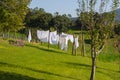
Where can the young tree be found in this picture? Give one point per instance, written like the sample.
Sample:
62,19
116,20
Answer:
101,24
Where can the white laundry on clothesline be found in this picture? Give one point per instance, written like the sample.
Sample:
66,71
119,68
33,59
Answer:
29,36
63,42
76,42
43,35
54,38
70,37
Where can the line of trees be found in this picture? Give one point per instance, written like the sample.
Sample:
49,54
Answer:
38,18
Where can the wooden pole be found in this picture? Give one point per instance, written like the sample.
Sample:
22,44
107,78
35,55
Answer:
49,39
59,41
73,47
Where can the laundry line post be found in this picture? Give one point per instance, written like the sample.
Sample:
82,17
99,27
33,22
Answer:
59,41
74,49
58,32
49,39
73,45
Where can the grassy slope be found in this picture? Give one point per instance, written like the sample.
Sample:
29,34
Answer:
34,62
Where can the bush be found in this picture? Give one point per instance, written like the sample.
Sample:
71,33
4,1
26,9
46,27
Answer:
117,29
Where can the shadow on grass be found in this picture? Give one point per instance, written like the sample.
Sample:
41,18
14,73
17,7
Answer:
114,75
34,70
14,76
77,65
80,65
49,50
109,72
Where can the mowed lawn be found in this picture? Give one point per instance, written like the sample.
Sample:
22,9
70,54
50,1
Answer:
37,62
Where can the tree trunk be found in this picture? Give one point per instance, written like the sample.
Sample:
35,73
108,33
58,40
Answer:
8,34
93,56
73,45
3,35
83,45
59,41
93,68
15,35
82,41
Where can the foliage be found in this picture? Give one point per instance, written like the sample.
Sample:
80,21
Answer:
38,18
61,23
12,14
44,21
117,29
31,17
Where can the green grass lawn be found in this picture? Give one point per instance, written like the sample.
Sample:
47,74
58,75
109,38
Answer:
37,62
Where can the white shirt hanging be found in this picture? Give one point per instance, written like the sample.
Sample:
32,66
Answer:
63,42
76,42
54,38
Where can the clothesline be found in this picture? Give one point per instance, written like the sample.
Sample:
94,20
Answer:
54,38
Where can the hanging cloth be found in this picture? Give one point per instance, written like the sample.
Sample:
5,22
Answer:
70,37
43,35
29,36
54,38
63,42
76,42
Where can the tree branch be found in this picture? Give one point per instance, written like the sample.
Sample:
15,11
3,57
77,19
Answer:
101,48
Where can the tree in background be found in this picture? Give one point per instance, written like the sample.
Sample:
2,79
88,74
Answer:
31,17
101,25
12,14
44,21
61,23
37,18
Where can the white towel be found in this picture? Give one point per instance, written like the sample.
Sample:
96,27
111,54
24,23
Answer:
70,37
43,35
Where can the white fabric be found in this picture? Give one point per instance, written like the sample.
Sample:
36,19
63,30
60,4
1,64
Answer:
63,33
54,38
70,37
63,42
43,35
76,43
29,36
